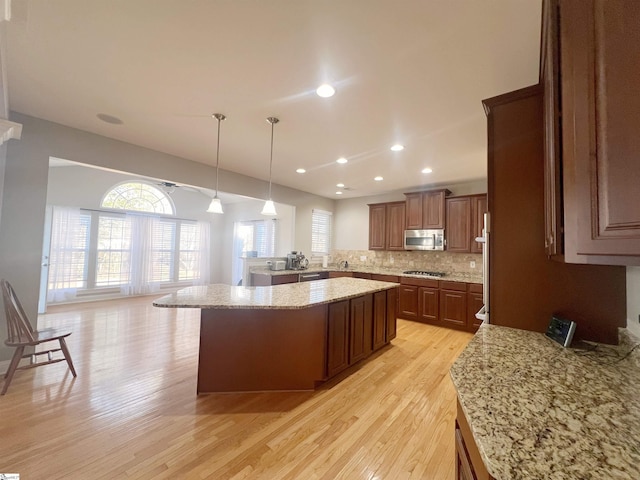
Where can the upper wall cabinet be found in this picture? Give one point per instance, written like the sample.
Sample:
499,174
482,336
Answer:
426,210
465,220
386,226
590,70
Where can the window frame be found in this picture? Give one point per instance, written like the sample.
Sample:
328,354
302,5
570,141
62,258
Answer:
320,218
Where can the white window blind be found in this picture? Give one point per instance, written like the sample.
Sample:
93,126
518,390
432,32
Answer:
320,232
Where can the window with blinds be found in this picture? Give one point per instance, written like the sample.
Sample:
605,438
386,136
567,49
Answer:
255,238
320,232
96,250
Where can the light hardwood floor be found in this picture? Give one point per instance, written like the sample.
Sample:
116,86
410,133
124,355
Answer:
132,412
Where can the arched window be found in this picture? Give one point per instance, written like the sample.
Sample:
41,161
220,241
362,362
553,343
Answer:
138,196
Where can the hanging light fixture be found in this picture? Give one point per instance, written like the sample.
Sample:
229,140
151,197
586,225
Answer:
216,206
269,207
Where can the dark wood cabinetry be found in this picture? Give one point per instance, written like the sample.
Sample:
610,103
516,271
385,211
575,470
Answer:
458,233
469,464
340,274
386,226
526,288
589,70
361,328
266,279
442,303
428,304
408,301
453,304
379,319
475,302
465,220
338,338
425,210
478,209
392,313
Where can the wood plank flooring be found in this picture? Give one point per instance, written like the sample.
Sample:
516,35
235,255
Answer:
132,412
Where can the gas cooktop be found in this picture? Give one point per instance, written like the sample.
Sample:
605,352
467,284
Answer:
424,273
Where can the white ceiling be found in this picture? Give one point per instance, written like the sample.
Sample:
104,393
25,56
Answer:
407,71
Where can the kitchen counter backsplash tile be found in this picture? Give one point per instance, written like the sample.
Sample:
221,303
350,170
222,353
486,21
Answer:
450,263
540,411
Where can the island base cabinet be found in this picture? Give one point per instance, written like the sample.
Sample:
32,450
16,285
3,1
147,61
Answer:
361,328
392,313
244,352
379,319
338,338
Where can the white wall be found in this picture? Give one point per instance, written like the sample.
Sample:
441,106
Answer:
351,223
633,299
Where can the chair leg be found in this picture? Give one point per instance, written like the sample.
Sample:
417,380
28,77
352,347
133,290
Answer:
67,356
8,376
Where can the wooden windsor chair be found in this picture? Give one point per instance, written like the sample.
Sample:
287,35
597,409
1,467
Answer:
22,335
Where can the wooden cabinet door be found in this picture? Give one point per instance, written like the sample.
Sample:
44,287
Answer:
428,304
361,328
395,226
600,67
408,300
463,462
413,211
550,80
392,312
379,319
478,209
453,308
474,304
335,274
282,279
458,232
377,226
338,337
433,209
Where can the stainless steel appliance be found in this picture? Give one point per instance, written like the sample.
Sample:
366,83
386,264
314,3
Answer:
277,265
483,313
297,261
424,239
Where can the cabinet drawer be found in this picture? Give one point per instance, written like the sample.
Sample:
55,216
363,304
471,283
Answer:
458,286
419,282
474,287
280,279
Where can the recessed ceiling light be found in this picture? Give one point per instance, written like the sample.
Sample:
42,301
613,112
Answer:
340,185
325,90
301,170
378,179
397,147
338,193
426,170
342,160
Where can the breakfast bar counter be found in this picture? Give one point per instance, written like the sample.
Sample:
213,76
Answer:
286,337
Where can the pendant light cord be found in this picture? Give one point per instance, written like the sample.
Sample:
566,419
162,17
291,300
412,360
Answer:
272,121
219,117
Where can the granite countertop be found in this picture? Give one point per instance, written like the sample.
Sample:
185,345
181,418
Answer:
540,411
451,277
287,296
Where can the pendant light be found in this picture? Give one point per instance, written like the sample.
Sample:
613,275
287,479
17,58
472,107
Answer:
216,206
269,207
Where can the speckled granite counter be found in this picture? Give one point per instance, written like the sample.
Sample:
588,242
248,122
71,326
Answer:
452,277
538,411
282,297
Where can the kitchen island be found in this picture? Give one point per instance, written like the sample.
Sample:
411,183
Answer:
286,337
531,409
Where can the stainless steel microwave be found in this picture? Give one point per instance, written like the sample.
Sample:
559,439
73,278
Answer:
424,239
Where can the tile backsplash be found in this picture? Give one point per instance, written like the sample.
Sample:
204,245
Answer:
432,261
